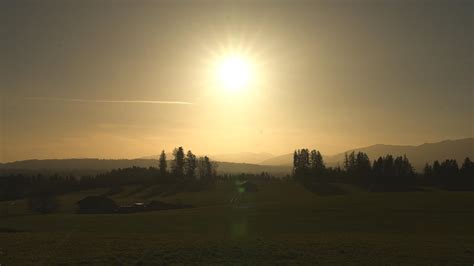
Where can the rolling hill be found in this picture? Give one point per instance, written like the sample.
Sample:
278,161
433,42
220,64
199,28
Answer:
418,155
285,159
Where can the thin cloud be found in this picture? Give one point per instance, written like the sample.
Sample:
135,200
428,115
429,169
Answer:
107,101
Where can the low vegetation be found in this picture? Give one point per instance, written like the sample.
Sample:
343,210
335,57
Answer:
188,214
279,224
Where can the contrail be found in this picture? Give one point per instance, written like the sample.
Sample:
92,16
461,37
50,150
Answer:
107,101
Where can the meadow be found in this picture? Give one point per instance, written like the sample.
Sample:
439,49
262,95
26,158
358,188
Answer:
282,223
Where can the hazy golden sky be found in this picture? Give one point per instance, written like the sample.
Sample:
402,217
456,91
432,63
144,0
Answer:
125,79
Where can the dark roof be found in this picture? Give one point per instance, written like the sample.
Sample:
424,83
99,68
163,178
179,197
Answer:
94,199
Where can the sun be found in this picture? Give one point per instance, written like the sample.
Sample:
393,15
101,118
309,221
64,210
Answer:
234,72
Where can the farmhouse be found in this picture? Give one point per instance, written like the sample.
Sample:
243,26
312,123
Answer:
135,207
97,204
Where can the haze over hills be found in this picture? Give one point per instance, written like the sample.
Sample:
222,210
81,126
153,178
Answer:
94,166
285,159
418,155
278,165
421,154
243,157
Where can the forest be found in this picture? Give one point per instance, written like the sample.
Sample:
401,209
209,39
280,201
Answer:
387,173
186,172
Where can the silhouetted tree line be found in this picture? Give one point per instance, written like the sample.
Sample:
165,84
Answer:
188,167
387,173
15,186
448,175
186,171
263,176
309,167
392,174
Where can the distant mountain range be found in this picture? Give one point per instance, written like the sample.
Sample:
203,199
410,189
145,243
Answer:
418,155
82,167
248,162
243,157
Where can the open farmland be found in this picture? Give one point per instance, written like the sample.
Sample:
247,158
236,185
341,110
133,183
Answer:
281,223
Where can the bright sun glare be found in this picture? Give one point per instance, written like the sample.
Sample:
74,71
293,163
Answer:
234,72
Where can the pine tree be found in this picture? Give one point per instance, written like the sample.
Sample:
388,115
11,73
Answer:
428,173
206,169
178,162
295,163
190,165
163,165
316,164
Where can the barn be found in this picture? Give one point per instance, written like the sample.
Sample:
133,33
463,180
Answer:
97,204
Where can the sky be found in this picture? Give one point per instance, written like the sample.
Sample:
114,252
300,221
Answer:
126,79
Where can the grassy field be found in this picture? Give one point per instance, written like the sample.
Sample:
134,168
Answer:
281,224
